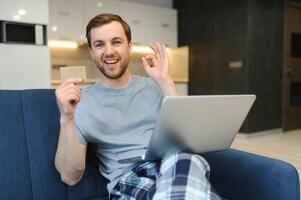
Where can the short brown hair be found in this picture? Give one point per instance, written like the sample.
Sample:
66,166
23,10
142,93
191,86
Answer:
106,18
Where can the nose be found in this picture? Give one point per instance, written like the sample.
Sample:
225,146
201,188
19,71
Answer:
109,50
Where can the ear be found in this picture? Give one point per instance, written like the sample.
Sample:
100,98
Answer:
130,47
91,53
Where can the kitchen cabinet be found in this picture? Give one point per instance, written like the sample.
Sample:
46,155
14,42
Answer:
165,35
141,35
148,23
92,8
165,26
66,20
28,11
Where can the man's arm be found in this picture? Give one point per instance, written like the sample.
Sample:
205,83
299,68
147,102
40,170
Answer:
157,67
70,155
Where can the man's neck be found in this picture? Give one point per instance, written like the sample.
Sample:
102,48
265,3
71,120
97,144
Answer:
121,82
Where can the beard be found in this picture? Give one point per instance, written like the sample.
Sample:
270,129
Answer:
112,74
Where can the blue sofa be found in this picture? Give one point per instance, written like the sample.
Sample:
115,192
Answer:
29,129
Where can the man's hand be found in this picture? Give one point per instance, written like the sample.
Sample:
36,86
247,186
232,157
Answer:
70,156
68,96
157,67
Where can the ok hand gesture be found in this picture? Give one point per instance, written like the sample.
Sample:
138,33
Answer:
157,67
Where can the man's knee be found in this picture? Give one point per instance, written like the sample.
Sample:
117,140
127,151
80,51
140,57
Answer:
181,161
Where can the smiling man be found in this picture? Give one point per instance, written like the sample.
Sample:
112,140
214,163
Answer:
112,60
118,114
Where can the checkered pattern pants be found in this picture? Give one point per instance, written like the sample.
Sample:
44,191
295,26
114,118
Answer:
180,176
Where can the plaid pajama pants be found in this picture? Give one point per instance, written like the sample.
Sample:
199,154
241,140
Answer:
180,176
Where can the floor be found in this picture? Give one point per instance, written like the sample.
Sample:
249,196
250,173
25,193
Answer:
284,146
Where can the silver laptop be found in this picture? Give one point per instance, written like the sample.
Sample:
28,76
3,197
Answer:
197,124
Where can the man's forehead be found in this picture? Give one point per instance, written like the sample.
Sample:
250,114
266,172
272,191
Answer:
108,31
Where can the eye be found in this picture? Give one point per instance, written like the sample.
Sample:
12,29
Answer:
99,45
117,42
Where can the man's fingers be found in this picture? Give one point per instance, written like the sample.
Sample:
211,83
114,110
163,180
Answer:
160,49
75,97
63,93
72,90
75,91
69,97
154,47
149,57
165,53
64,88
70,86
71,80
149,60
145,63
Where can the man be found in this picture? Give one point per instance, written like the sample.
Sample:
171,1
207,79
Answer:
118,115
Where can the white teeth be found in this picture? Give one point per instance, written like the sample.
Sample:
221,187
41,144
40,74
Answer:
111,61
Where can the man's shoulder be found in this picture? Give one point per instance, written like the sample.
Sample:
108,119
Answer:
146,81
87,95
91,91
148,87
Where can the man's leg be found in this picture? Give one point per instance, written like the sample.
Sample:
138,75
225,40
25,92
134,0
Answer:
183,176
136,184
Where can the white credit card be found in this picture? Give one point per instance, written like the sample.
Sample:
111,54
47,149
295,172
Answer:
73,72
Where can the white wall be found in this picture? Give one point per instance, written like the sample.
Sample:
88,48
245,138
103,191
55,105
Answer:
24,66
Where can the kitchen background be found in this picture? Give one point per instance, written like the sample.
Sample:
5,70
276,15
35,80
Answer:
215,47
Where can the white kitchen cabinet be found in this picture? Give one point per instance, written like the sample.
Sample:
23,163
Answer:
139,18
150,23
134,13
165,27
92,8
141,34
165,35
165,17
66,20
65,8
29,11
65,28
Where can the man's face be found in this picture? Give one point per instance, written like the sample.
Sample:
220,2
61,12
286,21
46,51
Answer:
110,49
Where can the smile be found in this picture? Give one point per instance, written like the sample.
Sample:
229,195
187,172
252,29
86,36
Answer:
110,62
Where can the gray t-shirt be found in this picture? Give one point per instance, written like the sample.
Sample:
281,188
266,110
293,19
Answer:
119,121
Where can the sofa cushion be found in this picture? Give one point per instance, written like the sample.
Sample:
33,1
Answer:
41,130
241,175
14,168
41,121
29,128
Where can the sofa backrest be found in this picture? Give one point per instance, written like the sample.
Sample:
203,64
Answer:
29,130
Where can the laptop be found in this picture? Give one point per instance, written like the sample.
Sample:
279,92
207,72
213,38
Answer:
196,124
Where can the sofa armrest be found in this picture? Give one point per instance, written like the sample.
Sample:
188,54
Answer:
240,175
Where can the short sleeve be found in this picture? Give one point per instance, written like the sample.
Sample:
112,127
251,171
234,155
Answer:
79,129
80,135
